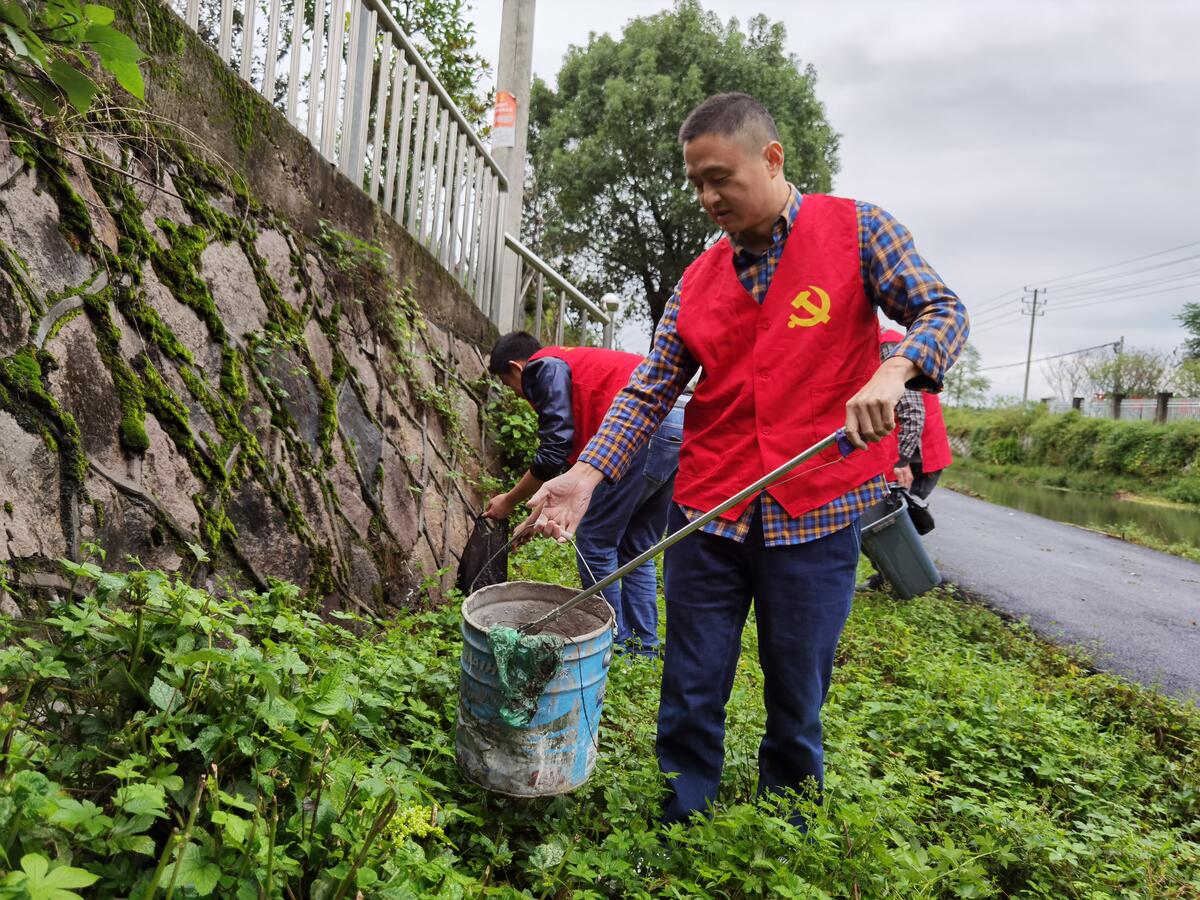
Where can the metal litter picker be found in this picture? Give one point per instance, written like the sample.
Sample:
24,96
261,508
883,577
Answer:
560,675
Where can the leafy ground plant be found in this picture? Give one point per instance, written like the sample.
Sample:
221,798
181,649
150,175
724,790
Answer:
167,742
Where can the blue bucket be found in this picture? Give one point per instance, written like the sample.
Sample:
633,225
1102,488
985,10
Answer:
556,751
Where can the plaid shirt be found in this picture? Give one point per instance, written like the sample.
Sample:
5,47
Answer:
896,279
910,419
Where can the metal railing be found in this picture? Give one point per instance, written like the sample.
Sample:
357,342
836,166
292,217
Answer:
346,76
533,274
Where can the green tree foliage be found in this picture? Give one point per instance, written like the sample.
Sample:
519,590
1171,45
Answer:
45,50
965,384
608,198
1186,378
1134,373
446,38
1189,318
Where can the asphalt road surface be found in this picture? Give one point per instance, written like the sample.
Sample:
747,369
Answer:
1135,612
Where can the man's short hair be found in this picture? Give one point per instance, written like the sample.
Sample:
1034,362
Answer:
730,115
516,345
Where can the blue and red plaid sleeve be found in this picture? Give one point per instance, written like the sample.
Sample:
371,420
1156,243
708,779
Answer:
908,290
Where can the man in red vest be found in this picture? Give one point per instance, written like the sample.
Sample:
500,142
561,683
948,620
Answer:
571,388
780,314
924,448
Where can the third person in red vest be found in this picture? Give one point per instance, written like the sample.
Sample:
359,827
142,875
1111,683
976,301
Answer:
924,454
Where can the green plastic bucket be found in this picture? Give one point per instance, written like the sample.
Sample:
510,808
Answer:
891,542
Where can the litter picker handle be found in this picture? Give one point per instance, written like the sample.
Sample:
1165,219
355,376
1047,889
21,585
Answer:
838,437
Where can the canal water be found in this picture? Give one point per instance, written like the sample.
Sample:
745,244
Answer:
1169,523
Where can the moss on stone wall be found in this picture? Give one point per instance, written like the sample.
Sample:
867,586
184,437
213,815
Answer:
24,394
245,459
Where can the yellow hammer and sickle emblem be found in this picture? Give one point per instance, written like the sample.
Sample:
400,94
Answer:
818,312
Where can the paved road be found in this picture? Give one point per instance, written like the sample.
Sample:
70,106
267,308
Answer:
1135,611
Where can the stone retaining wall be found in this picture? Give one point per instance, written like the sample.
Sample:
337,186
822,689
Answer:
189,369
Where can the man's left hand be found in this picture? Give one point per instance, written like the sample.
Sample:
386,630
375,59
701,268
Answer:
871,413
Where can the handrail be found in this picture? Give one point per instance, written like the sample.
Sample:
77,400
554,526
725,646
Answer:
427,73
546,269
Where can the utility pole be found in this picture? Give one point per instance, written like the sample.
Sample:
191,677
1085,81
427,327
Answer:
514,74
1119,346
1033,317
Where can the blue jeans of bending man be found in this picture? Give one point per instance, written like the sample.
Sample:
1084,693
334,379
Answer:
801,595
624,519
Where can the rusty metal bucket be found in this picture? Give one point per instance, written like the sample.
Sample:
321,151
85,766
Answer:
556,751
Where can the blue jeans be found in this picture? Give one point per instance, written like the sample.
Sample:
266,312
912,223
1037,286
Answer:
625,519
801,596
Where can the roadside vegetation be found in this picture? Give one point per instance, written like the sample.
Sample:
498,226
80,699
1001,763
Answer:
157,740
1084,454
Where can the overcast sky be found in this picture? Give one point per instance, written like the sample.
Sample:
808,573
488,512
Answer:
1019,141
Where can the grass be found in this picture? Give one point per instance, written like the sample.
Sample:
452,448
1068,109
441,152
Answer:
965,758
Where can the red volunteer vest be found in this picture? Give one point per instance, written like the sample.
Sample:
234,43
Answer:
596,377
935,445
777,375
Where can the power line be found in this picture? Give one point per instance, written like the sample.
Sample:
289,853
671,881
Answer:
1122,263
1070,286
990,304
1132,286
1137,296
1127,293
1044,358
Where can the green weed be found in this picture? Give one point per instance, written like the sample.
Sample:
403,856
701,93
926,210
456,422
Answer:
167,741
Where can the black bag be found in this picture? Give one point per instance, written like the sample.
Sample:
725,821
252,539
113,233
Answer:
485,558
918,511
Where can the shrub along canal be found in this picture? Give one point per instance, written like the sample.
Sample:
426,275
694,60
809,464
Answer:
1171,524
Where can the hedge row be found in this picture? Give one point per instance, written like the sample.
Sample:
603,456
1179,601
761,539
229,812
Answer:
1166,457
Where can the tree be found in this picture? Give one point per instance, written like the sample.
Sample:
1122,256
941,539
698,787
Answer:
1068,375
1133,373
965,384
446,38
1189,318
608,198
44,51
1186,378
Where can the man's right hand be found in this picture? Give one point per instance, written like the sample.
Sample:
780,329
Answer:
560,503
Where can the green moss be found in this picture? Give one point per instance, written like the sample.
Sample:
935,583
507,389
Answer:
172,414
233,381
24,395
8,507
132,428
18,276
159,34
134,243
100,513
61,322
177,269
